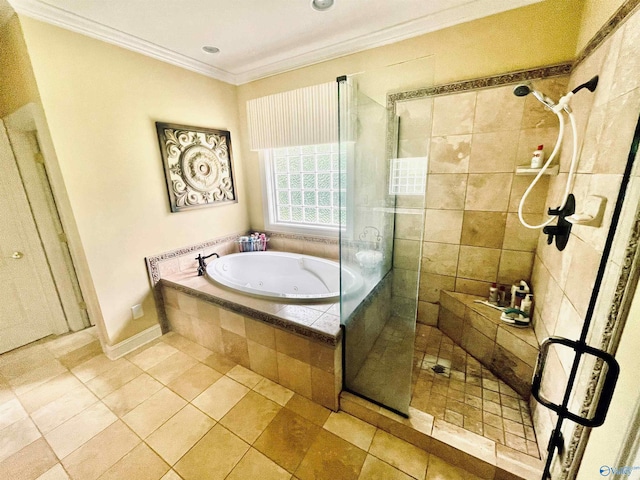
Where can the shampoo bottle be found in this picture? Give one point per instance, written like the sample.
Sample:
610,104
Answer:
538,157
493,294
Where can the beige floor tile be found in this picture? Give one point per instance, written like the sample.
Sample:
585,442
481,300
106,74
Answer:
19,362
376,469
36,377
65,438
287,439
194,350
172,367
141,463
250,416
244,376
308,409
132,394
219,362
439,469
256,465
121,372
351,429
213,457
400,454
220,397
49,391
331,457
92,368
17,436
153,355
11,412
194,381
101,452
181,432
153,412
171,475
62,409
55,473
81,355
273,391
68,343
30,462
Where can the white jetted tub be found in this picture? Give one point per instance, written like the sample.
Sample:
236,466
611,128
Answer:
283,275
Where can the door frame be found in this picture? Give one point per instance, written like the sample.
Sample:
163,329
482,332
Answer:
31,118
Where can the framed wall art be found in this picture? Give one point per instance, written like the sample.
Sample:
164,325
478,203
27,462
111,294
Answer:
198,166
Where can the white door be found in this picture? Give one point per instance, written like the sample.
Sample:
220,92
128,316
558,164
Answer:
29,304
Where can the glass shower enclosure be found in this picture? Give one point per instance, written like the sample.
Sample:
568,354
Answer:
382,197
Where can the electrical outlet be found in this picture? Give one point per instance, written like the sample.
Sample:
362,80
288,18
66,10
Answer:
137,311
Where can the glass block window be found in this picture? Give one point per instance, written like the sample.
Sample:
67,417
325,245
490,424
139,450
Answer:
408,176
304,187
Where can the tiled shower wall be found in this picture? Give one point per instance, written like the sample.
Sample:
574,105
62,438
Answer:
563,281
474,141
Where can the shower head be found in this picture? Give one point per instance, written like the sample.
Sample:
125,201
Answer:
522,90
525,89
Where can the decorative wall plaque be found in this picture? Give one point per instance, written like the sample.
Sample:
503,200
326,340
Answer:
198,166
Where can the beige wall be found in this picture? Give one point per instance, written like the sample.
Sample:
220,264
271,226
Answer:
101,103
540,34
595,14
17,83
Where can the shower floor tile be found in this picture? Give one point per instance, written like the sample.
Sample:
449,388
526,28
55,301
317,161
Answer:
453,386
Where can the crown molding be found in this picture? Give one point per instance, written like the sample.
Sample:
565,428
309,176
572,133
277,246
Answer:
273,65
70,21
293,59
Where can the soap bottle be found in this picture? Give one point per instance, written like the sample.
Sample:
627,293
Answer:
526,305
493,294
538,157
519,297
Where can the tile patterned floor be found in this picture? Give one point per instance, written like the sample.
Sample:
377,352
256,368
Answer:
175,410
466,394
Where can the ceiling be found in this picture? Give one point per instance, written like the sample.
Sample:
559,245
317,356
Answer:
256,38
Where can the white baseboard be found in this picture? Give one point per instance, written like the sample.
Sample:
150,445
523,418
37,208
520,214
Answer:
130,344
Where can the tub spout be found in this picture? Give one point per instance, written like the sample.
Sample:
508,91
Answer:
202,266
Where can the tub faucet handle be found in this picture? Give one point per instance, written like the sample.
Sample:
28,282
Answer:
202,266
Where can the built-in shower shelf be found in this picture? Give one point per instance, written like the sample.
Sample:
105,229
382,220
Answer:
534,171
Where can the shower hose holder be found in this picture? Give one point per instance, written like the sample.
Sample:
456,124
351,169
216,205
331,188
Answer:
562,229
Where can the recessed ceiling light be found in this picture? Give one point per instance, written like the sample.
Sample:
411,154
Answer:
210,49
321,5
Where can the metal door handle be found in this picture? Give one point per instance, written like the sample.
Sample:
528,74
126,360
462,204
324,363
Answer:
17,255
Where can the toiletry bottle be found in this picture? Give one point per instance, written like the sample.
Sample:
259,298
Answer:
514,289
519,297
502,296
538,157
526,304
493,294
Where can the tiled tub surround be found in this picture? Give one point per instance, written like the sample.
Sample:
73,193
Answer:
509,352
184,259
299,347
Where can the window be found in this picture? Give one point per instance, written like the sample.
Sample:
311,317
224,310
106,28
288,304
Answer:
303,188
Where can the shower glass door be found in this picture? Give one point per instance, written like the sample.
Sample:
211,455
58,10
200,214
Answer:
382,198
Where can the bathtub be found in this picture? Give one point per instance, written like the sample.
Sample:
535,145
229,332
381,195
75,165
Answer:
283,275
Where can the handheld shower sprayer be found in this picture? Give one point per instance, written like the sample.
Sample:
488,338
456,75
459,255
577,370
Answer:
525,89
558,108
